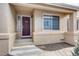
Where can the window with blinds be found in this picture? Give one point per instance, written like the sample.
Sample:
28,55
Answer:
51,22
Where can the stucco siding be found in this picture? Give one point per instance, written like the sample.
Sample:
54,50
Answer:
71,38
42,36
4,46
37,21
11,25
7,27
48,38
4,36
3,19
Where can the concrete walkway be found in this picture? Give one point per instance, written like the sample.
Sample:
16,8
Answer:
58,49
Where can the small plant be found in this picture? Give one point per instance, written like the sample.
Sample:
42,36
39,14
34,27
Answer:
76,49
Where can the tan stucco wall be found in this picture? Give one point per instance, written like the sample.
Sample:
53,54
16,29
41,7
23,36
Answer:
38,19
11,25
41,36
71,37
4,46
22,13
48,38
3,21
63,33
7,28
56,35
77,13
3,30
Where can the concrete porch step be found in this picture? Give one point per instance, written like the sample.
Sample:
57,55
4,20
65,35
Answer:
57,49
23,40
23,47
25,51
23,44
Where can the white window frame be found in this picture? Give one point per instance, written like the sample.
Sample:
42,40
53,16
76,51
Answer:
51,22
78,24
22,25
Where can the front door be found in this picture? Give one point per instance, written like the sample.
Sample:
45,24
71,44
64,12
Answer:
26,26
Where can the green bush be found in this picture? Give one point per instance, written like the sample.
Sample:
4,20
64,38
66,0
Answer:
76,50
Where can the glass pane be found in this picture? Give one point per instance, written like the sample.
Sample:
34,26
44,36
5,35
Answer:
47,23
77,24
55,23
19,24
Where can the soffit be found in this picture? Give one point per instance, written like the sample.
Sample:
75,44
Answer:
23,9
30,7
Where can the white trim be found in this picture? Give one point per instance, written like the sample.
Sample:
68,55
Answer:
22,25
49,14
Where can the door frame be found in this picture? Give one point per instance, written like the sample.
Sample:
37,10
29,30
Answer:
22,25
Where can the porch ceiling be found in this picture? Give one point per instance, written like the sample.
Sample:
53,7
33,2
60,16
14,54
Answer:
29,7
23,9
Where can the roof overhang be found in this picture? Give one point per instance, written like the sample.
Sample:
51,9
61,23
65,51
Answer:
63,5
45,6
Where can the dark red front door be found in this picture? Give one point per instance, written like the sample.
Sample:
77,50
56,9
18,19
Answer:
26,26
